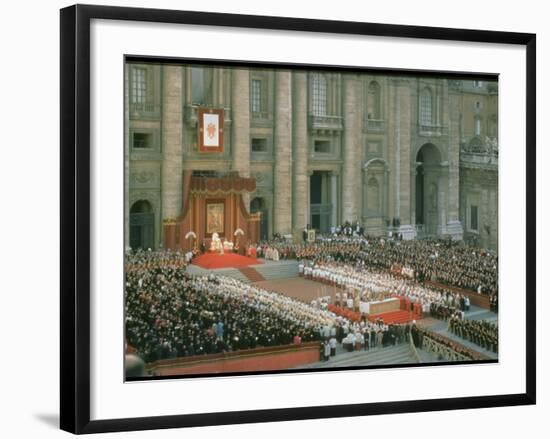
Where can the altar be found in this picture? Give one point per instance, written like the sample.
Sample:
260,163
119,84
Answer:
214,215
380,306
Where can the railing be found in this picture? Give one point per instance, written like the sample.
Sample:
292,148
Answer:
375,125
478,149
262,115
144,109
191,118
257,359
449,349
440,350
331,123
432,130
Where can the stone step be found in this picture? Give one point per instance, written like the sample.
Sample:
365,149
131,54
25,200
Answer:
399,354
281,270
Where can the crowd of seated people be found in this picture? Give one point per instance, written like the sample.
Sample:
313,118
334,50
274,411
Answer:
171,314
443,261
140,259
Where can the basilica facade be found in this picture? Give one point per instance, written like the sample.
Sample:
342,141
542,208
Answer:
414,155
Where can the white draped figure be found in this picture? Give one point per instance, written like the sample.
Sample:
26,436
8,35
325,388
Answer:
216,244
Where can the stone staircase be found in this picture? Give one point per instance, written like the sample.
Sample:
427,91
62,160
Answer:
399,354
278,270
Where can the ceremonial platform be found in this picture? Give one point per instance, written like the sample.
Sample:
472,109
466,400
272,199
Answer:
212,261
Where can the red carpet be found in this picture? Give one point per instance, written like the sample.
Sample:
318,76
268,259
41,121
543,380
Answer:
394,317
227,260
251,274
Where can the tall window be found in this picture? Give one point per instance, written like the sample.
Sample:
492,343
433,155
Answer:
139,85
256,95
473,217
426,107
319,89
373,101
201,85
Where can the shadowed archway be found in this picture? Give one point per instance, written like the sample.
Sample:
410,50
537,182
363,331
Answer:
428,189
142,225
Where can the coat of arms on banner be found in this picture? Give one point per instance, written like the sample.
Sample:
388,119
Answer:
210,129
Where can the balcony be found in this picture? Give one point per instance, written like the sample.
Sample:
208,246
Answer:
144,111
259,114
325,124
261,119
479,152
432,130
190,115
375,125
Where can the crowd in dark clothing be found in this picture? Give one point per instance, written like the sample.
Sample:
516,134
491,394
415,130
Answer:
452,304
446,349
170,314
444,261
146,259
480,332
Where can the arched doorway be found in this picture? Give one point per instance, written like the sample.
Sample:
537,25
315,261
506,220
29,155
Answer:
427,189
258,204
142,225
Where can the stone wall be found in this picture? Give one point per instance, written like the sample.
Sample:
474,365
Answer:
361,149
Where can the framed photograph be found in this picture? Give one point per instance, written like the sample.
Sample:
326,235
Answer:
312,207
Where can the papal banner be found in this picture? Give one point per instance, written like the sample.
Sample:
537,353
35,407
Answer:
210,129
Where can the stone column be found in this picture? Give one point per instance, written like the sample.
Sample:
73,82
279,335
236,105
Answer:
127,157
391,153
172,150
442,197
240,128
385,192
399,155
351,181
334,198
300,147
454,227
282,206
404,147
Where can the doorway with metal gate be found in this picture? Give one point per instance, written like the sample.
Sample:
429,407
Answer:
321,203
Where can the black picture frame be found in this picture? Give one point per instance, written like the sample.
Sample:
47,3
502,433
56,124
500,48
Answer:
75,217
